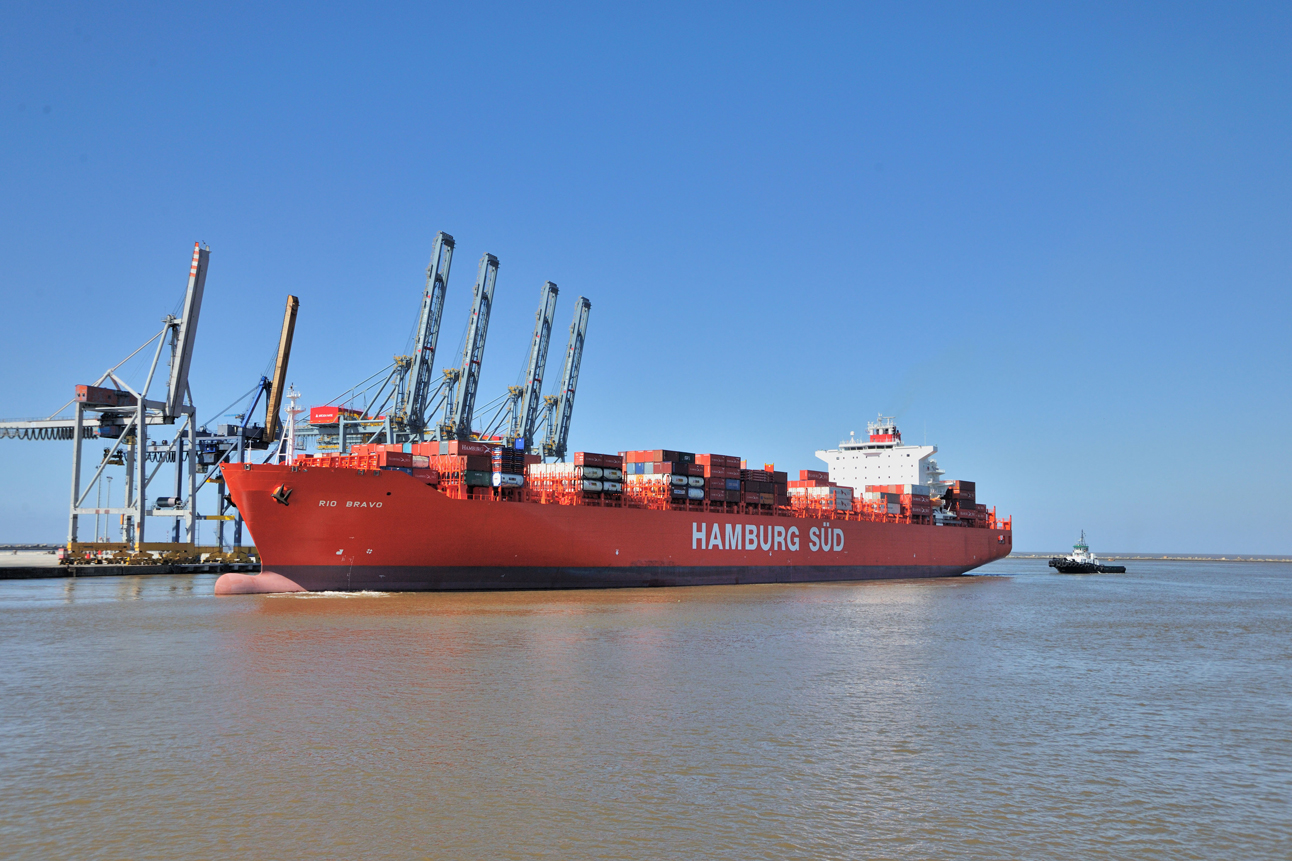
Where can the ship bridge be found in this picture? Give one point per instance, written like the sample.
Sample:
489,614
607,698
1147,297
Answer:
881,458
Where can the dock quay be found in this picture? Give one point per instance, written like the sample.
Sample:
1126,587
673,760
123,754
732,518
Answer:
37,561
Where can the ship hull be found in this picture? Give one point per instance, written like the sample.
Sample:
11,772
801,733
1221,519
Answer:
354,530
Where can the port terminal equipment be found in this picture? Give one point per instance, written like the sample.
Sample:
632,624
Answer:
110,409
457,417
404,399
525,411
418,367
561,406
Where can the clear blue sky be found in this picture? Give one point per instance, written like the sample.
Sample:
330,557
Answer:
1052,239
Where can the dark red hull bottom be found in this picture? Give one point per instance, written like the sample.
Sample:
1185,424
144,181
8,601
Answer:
324,578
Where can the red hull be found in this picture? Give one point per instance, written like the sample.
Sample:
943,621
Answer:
344,529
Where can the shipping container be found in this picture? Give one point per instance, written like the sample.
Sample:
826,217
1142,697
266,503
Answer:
477,478
395,458
468,447
813,475
503,479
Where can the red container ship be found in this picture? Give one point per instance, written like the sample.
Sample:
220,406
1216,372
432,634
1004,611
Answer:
475,516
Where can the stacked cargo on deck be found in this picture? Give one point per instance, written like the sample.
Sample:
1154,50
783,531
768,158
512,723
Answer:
721,478
910,500
663,474
961,499
508,466
765,487
396,457
658,478
814,489
590,475
462,465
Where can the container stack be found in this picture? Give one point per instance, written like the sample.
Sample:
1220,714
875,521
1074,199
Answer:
814,489
721,478
508,467
961,498
589,476
606,468
462,465
912,499
765,487
395,457
663,473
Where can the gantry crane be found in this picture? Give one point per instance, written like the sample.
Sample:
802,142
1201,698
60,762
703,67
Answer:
420,369
122,414
119,413
561,406
275,399
526,399
463,385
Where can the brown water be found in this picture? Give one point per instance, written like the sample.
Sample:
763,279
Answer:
1033,715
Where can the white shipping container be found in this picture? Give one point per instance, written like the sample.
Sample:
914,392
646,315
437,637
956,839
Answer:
694,481
590,471
612,486
504,479
695,493
612,474
592,486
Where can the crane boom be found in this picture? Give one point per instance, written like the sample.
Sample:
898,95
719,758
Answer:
275,400
473,352
183,354
558,431
525,417
428,330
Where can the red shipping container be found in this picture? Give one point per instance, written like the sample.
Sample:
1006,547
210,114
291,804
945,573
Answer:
813,475
429,476
469,447
394,458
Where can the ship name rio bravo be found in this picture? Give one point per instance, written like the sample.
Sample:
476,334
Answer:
482,515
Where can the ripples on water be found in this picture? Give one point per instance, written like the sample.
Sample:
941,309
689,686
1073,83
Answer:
1032,715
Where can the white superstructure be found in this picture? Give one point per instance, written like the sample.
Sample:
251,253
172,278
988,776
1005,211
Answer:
882,459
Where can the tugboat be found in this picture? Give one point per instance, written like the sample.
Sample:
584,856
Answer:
1082,561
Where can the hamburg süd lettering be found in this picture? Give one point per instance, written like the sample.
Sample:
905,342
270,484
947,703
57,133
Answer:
749,536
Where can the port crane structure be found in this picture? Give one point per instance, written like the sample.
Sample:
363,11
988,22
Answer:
111,409
400,410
